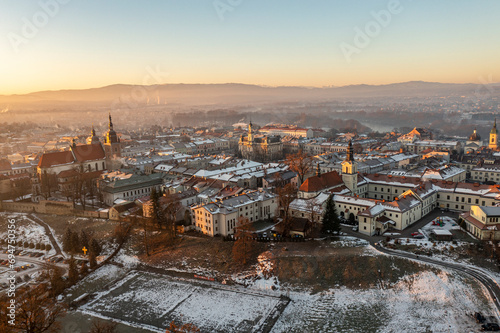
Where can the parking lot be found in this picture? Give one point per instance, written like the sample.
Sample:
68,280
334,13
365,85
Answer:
28,265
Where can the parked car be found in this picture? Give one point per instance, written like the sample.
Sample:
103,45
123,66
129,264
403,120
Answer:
490,327
33,254
22,253
419,237
355,228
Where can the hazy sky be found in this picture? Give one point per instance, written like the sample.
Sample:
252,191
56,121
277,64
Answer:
82,44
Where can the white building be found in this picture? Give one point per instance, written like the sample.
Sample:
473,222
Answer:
221,217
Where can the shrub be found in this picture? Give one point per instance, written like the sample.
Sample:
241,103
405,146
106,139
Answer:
42,246
48,247
37,246
32,246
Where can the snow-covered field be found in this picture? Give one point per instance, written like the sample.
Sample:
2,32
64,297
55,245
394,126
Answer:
428,301
425,302
152,301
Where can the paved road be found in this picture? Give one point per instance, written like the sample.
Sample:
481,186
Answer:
48,232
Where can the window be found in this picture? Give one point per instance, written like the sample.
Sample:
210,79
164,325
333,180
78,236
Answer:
447,197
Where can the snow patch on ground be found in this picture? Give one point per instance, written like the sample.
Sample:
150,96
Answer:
424,302
153,301
348,241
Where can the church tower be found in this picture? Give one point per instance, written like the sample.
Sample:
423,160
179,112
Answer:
350,170
494,137
112,146
250,133
93,139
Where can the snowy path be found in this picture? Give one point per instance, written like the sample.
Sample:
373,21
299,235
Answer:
48,232
490,285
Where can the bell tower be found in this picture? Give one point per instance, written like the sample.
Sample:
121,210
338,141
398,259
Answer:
112,146
493,143
350,170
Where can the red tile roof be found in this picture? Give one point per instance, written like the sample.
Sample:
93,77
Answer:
466,216
92,152
58,158
324,181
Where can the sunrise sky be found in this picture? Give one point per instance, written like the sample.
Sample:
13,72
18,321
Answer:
84,44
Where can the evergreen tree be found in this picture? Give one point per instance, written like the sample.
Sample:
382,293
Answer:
95,247
84,239
83,269
75,243
92,259
67,241
55,277
72,271
331,222
156,213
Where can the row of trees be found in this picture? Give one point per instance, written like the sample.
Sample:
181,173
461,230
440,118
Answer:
162,220
74,242
79,187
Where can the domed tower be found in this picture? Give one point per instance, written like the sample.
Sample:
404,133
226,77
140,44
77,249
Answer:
494,137
112,146
474,136
93,139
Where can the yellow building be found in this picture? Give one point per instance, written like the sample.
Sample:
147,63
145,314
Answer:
260,147
483,222
494,137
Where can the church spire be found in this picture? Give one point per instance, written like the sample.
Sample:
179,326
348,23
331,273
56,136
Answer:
350,152
92,133
110,122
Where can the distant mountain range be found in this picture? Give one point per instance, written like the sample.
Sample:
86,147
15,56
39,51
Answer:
230,94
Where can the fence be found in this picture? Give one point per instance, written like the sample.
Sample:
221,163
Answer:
50,207
267,239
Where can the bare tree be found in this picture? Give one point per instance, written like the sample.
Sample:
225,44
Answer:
286,195
171,207
313,208
300,163
38,312
244,243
